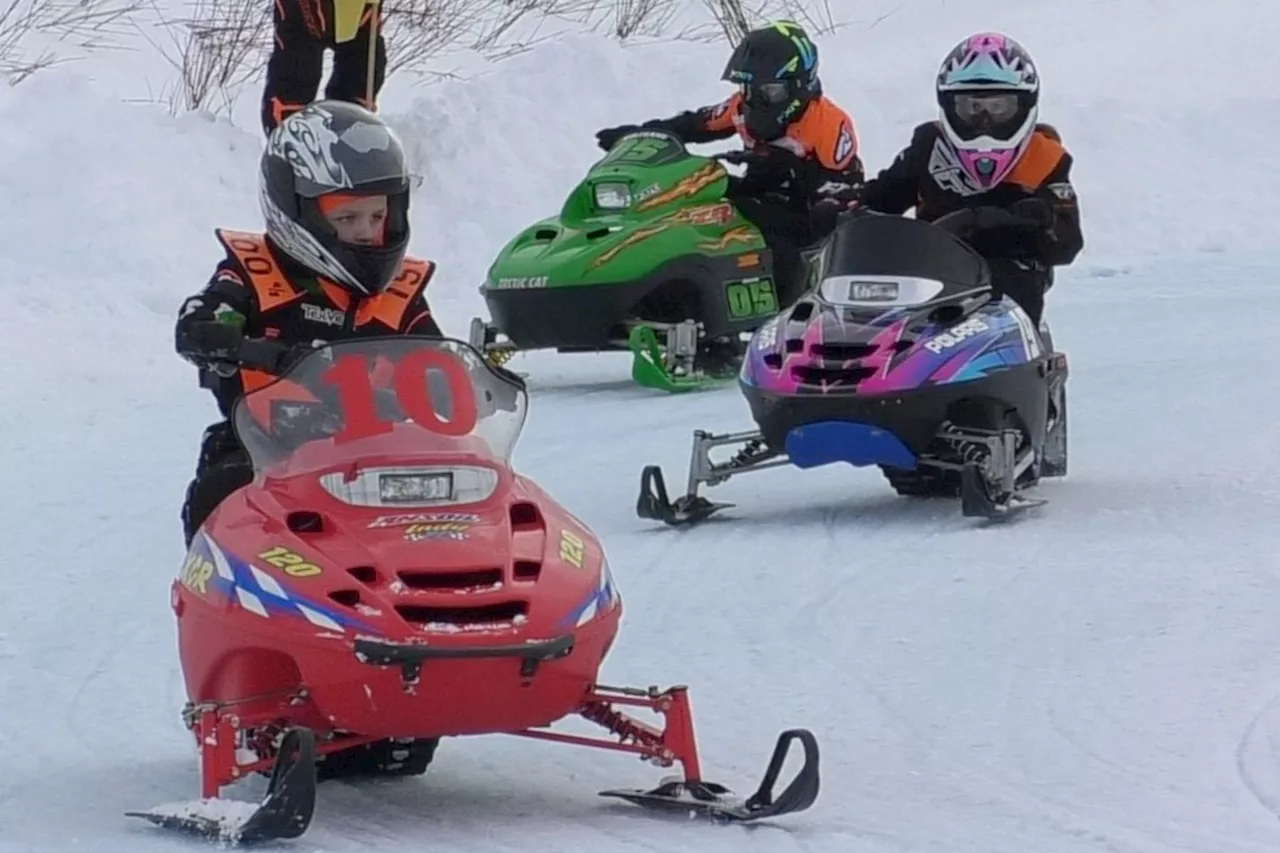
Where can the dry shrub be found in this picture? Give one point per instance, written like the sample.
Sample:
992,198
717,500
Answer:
223,44
89,25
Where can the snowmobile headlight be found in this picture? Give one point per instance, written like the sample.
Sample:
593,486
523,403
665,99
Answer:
879,290
613,196
434,486
873,291
415,488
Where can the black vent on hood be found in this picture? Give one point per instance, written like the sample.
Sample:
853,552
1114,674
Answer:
847,377
464,580
491,614
843,352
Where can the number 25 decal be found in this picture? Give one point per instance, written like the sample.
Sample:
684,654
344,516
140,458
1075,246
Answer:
350,374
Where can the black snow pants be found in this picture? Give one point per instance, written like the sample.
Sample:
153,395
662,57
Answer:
222,468
786,232
303,30
1024,283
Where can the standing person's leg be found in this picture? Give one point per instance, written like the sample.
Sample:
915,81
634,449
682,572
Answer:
350,79
297,60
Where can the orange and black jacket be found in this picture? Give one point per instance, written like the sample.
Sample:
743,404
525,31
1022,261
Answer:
267,295
816,159
925,175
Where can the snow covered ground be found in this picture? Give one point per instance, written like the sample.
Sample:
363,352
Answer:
1102,677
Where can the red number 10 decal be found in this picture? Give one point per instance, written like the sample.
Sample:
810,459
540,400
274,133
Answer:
359,409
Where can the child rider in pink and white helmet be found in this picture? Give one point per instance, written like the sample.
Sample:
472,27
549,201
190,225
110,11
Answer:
987,152
989,97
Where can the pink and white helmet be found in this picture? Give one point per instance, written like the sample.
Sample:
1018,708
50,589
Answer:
988,93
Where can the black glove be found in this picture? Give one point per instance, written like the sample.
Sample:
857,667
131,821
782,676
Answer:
779,163
609,137
1036,210
211,341
222,345
737,157
1023,215
825,215
275,357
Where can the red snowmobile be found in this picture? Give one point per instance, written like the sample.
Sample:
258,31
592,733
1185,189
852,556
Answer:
387,580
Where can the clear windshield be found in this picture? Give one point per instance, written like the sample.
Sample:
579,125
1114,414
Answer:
407,394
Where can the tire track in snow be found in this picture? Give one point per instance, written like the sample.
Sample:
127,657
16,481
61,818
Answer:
1257,738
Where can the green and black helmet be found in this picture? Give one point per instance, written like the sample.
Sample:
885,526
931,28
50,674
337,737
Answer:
776,68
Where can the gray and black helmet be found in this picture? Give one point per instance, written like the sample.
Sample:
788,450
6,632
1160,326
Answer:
335,147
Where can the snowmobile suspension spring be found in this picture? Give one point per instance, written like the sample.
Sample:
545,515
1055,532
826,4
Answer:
968,450
619,724
749,450
499,358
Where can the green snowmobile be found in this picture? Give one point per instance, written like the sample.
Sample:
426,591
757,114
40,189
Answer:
646,255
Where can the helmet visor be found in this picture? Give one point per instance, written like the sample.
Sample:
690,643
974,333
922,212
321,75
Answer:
995,114
772,94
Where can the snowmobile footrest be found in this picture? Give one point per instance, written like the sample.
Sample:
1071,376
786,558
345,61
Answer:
716,801
285,812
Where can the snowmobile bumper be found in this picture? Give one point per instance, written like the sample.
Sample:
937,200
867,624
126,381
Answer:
410,658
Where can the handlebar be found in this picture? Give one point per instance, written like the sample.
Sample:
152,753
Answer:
263,354
975,219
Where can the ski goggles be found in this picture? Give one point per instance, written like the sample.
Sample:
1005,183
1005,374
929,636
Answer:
984,110
767,94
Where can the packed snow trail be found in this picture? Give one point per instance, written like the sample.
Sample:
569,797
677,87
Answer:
1101,675
1084,678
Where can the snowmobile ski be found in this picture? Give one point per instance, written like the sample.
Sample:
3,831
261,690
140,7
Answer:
650,368
285,811
976,500
654,502
717,802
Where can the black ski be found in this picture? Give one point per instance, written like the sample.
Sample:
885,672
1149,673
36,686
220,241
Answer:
286,810
976,500
712,800
655,504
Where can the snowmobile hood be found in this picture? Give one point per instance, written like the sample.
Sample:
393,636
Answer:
649,201
899,304
820,348
502,570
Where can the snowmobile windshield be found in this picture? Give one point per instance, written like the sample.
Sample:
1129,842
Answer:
895,260
394,398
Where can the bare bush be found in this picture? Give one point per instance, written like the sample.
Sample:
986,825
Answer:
815,16
218,49
419,31
641,17
224,44
89,25
731,18
734,18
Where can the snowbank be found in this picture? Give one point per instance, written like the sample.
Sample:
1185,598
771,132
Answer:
1171,140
